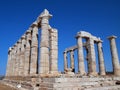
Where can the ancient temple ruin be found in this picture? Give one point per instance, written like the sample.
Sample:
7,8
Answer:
33,61
23,55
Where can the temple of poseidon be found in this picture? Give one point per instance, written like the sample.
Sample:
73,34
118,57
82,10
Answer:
33,61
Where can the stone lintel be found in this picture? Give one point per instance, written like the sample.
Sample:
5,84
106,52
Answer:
86,35
111,37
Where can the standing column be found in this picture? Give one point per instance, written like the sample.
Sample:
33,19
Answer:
91,57
22,55
18,57
115,59
44,44
14,60
27,53
81,68
53,51
34,49
72,60
8,63
101,58
65,61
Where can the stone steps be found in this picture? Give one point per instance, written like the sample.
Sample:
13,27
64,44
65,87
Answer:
115,87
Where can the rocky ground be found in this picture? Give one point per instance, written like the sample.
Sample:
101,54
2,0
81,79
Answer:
4,87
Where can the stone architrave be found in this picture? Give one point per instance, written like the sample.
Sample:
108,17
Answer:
8,63
22,55
34,49
81,68
65,61
114,53
101,58
44,43
27,53
72,60
53,51
91,57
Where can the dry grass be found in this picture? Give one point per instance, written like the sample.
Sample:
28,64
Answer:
4,87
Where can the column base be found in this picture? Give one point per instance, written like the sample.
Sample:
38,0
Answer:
93,74
117,72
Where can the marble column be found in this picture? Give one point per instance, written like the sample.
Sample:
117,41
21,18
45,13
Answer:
34,50
27,53
44,43
91,57
114,53
18,58
53,51
14,60
81,67
101,58
65,61
72,60
8,63
22,55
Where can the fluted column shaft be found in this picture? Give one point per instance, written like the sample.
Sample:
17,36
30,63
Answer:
44,44
53,51
101,58
34,50
72,60
65,61
115,59
27,53
91,57
18,58
14,60
8,63
81,68
22,55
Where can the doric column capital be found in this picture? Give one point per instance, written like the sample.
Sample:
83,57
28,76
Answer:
28,31
65,52
45,14
112,37
78,36
23,37
34,24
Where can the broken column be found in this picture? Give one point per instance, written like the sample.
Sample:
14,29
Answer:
53,51
34,49
81,68
101,58
91,57
114,53
22,55
27,53
44,43
72,60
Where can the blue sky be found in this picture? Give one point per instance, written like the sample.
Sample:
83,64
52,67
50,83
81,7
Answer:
99,17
